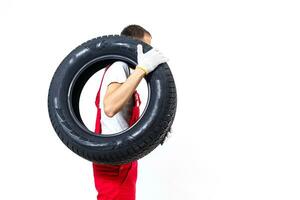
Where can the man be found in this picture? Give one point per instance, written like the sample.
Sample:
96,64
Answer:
118,182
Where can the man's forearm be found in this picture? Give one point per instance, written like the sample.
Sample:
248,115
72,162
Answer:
119,96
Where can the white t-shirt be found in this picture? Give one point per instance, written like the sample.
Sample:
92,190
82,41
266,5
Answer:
117,72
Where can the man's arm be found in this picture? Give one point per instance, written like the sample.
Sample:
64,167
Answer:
117,94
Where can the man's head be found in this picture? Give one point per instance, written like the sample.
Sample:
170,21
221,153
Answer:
137,32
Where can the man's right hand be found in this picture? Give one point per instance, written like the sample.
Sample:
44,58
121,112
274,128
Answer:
150,60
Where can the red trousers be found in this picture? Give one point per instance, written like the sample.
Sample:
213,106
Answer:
115,182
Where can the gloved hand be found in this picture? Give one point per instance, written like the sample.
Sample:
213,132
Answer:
150,60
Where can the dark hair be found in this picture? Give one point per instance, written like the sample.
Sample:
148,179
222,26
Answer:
135,31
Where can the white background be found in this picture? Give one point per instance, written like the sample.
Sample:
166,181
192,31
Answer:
236,66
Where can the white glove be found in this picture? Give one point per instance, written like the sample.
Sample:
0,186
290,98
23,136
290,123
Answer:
150,60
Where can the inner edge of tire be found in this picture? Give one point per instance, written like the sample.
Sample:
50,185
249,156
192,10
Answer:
81,72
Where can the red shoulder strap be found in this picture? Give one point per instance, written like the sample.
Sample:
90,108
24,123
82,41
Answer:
98,128
136,109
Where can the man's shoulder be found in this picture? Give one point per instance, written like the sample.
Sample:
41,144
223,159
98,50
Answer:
118,65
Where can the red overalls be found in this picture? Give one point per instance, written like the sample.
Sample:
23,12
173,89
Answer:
116,182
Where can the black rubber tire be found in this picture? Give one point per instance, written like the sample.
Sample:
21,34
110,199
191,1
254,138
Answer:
123,147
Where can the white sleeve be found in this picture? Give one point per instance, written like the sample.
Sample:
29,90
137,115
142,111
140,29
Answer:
115,73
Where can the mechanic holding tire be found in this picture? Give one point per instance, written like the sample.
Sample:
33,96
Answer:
120,102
